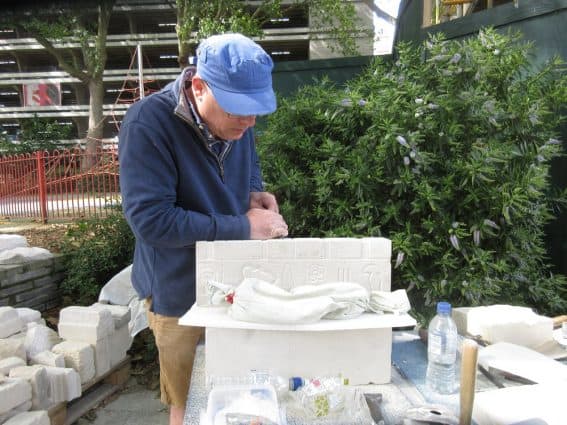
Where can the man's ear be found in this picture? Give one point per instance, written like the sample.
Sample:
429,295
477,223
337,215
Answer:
198,86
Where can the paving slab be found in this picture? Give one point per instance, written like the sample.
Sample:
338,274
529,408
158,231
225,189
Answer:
135,405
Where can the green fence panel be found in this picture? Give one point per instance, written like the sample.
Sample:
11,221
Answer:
290,76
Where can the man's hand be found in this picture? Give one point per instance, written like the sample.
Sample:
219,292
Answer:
264,201
266,224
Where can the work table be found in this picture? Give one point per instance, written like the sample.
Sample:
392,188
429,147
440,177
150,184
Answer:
406,389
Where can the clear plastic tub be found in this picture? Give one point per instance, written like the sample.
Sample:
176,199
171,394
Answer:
242,404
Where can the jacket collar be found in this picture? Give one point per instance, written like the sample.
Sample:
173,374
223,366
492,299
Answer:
183,106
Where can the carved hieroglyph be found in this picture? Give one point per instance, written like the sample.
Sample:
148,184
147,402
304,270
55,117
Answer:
293,262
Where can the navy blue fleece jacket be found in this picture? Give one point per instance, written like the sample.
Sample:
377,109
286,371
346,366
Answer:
176,192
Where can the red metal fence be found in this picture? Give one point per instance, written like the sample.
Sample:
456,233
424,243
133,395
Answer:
61,184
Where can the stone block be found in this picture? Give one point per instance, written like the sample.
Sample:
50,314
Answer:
85,324
13,393
9,363
283,250
102,355
29,315
24,255
38,417
120,342
40,338
311,249
289,263
65,384
10,347
48,358
36,294
8,241
78,356
16,288
504,323
37,377
24,407
10,322
120,313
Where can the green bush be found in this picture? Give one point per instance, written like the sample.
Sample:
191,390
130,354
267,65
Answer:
38,134
95,250
446,152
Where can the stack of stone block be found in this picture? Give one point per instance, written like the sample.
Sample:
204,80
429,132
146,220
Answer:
96,338
29,276
40,368
30,377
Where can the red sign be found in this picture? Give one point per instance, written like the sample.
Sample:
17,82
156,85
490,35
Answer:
42,94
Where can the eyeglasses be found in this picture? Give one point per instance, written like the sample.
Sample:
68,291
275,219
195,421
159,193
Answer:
238,117
228,114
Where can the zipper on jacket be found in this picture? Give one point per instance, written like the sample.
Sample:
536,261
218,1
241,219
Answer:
202,139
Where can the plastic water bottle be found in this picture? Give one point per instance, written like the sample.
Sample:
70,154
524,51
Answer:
442,351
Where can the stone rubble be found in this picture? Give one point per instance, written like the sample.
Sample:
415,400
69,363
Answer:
40,367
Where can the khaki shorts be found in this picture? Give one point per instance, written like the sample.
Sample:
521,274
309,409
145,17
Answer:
176,346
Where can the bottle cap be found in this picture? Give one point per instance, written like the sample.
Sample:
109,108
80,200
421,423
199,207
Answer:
443,307
295,382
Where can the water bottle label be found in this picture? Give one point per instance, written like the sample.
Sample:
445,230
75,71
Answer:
441,348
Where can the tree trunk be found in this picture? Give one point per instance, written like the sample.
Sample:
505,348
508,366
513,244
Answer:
96,121
182,45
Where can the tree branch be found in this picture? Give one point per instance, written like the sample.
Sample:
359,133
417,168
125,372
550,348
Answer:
63,63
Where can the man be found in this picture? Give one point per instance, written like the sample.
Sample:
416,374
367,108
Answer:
189,172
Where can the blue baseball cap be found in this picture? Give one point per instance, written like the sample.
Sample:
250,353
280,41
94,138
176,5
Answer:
239,73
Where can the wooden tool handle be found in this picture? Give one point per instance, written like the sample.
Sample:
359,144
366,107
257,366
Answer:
468,380
557,320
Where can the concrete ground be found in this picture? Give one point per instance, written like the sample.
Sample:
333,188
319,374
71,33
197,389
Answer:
134,405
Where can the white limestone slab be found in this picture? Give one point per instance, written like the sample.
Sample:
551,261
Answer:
363,356
522,361
24,407
217,317
14,392
40,338
359,348
38,417
28,315
37,377
293,262
65,384
87,324
102,356
524,404
10,347
8,241
23,255
120,313
9,363
48,358
78,356
504,323
120,343
10,322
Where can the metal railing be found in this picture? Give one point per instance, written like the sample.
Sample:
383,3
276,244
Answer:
65,184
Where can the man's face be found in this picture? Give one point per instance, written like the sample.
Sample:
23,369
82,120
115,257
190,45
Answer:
222,124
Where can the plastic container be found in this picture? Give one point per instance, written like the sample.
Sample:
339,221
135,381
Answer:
258,376
442,339
321,397
239,404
